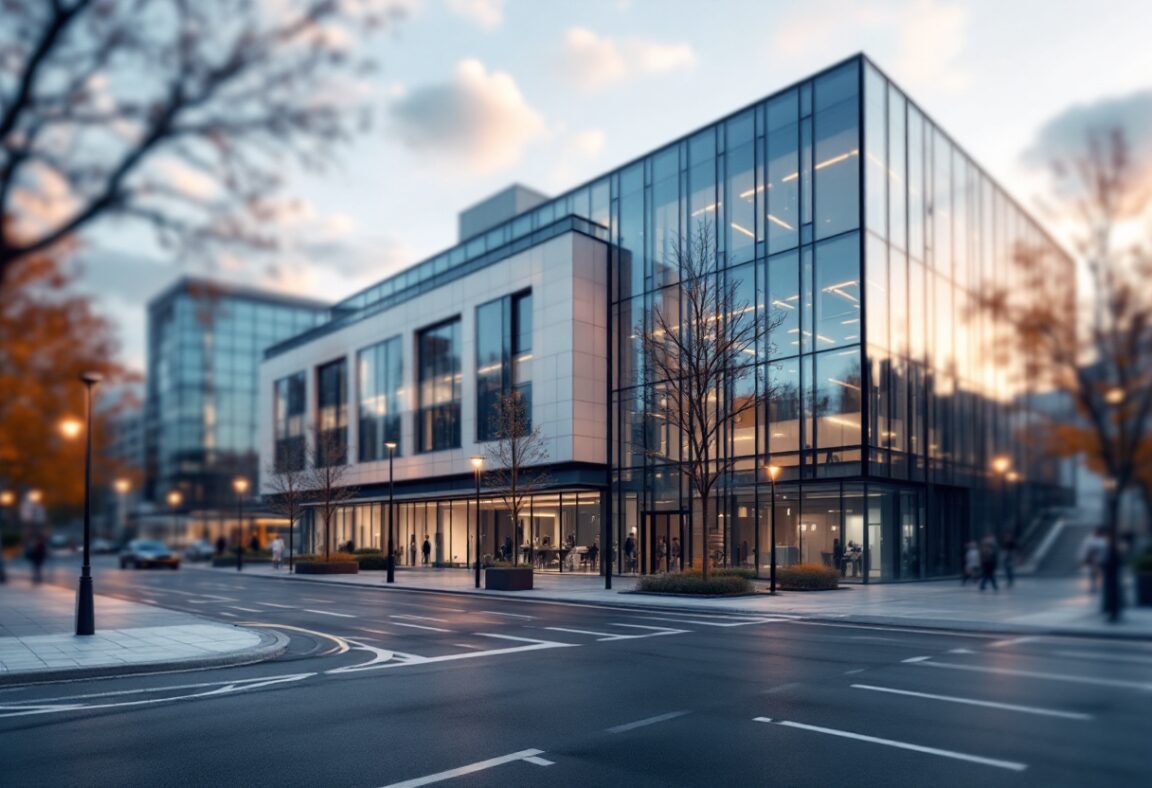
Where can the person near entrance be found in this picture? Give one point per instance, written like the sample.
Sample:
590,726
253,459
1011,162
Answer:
676,551
412,551
630,553
426,549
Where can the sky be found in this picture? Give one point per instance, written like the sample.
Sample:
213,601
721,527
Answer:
473,95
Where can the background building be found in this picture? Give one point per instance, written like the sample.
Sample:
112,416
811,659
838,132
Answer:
205,341
835,204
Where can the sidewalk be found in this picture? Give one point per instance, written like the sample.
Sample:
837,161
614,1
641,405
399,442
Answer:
37,644
1034,606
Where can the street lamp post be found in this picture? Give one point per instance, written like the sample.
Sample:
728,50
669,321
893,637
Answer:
85,604
240,485
1002,464
773,472
477,464
391,445
122,486
175,498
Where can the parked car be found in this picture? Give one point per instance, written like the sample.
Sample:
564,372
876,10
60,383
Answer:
145,553
199,550
101,546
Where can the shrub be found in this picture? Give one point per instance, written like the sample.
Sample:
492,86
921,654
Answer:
693,583
721,571
368,551
320,558
372,561
807,577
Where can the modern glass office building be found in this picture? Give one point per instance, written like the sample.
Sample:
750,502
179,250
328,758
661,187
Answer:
840,212
205,342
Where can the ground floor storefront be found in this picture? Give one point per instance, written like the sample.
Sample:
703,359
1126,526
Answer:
867,532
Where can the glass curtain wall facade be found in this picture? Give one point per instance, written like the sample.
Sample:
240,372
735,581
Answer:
332,412
503,358
205,343
438,387
290,406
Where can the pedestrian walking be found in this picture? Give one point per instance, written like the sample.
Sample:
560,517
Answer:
277,552
221,545
426,549
254,543
989,555
412,551
37,554
1008,555
630,553
676,551
1092,554
971,563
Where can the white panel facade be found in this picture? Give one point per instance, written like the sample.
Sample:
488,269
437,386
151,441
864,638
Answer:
567,276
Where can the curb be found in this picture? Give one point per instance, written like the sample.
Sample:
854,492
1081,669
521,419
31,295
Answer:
272,644
966,627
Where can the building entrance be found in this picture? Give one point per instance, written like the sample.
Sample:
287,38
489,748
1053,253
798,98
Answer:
661,542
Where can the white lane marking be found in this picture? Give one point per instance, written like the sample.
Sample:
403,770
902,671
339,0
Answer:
226,613
246,609
1011,642
1043,676
915,659
1106,657
318,599
961,651
467,645
148,601
509,615
744,622
374,631
341,644
235,685
1068,715
212,598
901,745
600,636
471,768
419,626
328,613
379,657
657,630
536,760
408,617
273,604
628,726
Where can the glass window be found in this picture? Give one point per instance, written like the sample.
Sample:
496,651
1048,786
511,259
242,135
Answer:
915,184
837,154
332,413
782,206
289,422
783,301
438,387
666,227
632,243
740,203
836,399
876,262
380,378
784,406
876,153
837,292
503,358
897,187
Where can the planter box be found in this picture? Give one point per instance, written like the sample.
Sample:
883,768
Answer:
508,579
1144,589
327,567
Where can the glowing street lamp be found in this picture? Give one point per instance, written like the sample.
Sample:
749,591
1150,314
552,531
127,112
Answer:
773,472
71,428
240,485
477,465
175,498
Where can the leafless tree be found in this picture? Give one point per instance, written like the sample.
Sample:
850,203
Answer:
288,482
515,456
325,480
698,348
180,114
1096,350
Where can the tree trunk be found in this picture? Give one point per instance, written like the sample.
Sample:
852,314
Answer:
704,535
1111,598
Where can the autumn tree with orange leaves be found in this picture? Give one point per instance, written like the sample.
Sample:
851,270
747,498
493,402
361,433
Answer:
1097,351
49,335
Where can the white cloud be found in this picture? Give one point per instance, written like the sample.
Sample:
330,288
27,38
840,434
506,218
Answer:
588,143
590,61
480,119
485,14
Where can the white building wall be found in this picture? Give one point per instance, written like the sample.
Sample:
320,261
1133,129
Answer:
568,279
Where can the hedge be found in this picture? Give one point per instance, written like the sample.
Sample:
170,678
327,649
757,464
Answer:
807,577
692,583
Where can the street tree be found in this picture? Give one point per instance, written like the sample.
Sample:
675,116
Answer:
288,486
1096,350
326,477
700,352
49,335
516,456
179,116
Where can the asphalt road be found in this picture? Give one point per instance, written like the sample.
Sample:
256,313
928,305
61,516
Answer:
384,687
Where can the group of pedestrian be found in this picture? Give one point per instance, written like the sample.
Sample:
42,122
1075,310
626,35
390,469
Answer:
983,558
